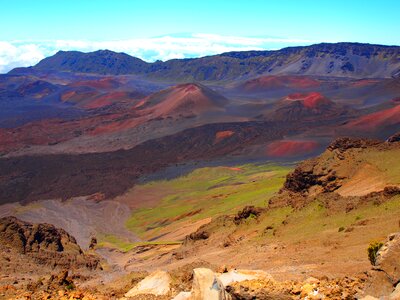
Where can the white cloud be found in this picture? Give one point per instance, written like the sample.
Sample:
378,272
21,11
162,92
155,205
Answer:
16,55
26,53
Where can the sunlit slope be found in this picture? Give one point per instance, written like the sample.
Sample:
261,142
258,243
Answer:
189,201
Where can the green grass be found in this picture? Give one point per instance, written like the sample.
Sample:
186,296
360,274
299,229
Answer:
387,162
315,219
211,191
112,241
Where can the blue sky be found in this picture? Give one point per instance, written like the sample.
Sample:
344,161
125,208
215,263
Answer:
33,29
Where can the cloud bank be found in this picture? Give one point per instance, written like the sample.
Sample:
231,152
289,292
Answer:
27,53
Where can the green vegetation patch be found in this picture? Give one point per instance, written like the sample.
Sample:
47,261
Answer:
387,162
315,219
206,192
372,251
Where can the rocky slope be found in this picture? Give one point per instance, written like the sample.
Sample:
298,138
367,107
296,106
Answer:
317,196
314,210
341,59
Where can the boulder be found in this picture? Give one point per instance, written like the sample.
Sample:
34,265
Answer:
386,272
207,286
388,258
157,283
378,285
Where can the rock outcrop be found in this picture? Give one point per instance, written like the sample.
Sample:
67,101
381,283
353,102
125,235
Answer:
388,258
386,271
247,212
394,138
343,144
42,244
345,169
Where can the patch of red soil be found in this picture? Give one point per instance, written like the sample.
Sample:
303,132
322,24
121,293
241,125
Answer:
273,82
103,83
234,169
310,100
291,148
372,122
220,135
182,100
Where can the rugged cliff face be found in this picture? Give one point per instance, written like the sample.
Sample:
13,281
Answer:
26,245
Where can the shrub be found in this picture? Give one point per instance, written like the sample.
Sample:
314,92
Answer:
70,287
341,229
373,249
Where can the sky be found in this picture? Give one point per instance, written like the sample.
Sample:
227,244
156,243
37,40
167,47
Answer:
166,29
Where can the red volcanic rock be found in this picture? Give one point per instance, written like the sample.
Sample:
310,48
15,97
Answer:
110,98
291,148
220,135
374,121
310,100
275,82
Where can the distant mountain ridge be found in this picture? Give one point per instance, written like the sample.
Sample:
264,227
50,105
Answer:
354,60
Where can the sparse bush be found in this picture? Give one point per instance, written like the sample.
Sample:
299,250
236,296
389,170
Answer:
341,228
373,249
252,216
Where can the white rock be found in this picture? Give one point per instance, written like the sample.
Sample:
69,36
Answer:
206,286
183,296
157,283
242,275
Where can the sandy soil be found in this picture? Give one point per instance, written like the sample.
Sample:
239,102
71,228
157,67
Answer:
366,180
